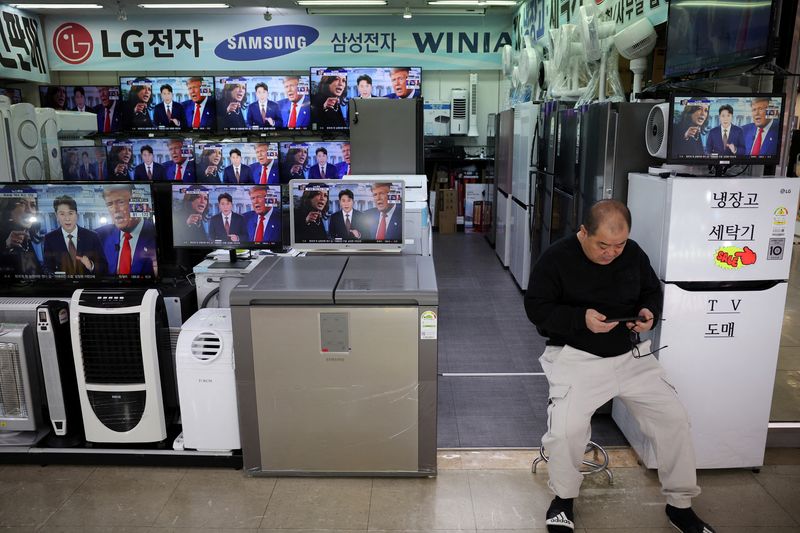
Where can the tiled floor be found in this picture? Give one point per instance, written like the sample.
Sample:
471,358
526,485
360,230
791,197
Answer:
474,491
786,397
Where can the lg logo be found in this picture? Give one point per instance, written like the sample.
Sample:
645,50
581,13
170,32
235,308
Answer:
73,43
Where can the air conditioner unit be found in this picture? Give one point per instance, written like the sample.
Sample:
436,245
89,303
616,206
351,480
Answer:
49,320
656,131
22,155
20,396
124,382
207,382
51,150
458,112
473,105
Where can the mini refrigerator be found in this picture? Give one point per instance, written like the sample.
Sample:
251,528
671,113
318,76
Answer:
722,249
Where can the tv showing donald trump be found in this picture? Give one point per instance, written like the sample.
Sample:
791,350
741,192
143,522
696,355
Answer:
263,103
163,103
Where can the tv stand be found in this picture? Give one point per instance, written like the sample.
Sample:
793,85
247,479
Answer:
234,262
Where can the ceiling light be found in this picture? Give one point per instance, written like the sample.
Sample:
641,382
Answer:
472,2
57,6
184,6
407,13
341,2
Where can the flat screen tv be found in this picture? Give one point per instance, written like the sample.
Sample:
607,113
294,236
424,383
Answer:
102,100
706,36
156,159
237,162
263,103
60,231
164,103
84,163
738,129
333,87
226,216
352,215
15,95
315,160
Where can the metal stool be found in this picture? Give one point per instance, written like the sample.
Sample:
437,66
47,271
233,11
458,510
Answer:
594,466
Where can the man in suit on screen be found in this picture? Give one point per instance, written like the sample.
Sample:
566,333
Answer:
71,249
200,110
343,167
264,221
88,170
129,242
344,223
322,169
108,116
237,172
226,225
399,80
727,138
264,113
168,113
180,167
265,171
762,136
296,107
384,221
148,169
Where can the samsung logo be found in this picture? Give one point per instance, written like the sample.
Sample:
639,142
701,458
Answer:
267,42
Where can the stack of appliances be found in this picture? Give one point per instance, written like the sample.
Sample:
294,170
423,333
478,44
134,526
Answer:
503,171
526,119
612,144
722,249
20,143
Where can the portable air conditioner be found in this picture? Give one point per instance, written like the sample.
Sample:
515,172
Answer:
20,397
458,112
51,150
207,382
23,152
657,130
49,320
473,105
123,383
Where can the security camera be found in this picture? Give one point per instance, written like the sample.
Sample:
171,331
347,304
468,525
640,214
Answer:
267,15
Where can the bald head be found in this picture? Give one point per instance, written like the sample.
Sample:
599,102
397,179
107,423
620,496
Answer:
612,214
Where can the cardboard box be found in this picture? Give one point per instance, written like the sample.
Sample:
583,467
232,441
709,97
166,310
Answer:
447,210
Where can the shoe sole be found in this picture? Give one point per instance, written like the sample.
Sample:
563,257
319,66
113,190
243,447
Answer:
676,527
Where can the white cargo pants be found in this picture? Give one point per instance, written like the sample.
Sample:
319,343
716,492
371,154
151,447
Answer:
581,382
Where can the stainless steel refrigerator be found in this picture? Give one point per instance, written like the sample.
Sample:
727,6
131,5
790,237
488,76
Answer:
503,170
525,120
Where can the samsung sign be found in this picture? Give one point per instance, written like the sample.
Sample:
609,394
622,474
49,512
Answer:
266,42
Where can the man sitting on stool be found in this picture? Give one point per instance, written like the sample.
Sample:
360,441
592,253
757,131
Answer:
578,284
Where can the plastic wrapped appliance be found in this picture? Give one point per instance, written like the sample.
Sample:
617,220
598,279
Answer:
122,381
21,155
20,405
207,382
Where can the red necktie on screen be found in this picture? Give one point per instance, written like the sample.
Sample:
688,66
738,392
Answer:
381,228
196,119
260,229
178,173
124,266
757,144
263,180
293,116
227,226
107,123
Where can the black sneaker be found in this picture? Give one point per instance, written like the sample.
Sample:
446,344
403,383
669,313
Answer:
686,521
560,516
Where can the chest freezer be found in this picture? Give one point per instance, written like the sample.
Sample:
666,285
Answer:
336,362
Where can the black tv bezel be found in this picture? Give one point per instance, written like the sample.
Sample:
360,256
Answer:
264,132
127,138
274,246
106,281
124,130
44,104
727,161
768,54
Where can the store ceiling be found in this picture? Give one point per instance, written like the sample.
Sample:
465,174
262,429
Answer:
276,7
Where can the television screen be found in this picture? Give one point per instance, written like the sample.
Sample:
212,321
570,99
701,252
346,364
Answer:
230,162
84,163
347,213
168,103
247,103
15,95
77,231
226,216
315,160
157,159
704,36
736,129
102,100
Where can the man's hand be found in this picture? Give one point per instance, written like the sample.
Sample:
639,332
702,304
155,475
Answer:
86,262
594,321
641,326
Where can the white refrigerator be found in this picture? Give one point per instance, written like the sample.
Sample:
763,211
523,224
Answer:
722,250
525,117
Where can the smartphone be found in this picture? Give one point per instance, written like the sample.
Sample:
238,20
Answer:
626,319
